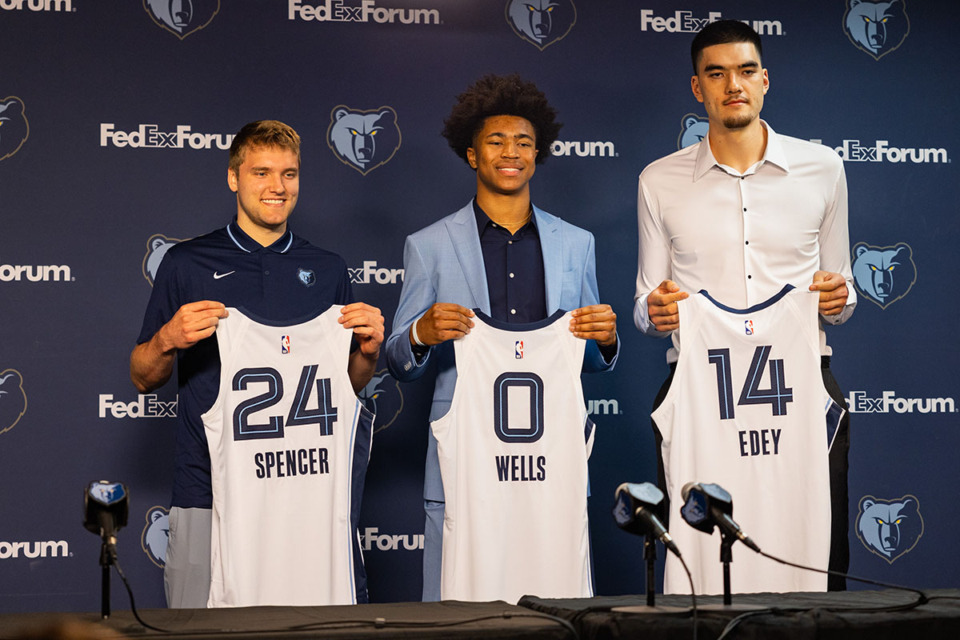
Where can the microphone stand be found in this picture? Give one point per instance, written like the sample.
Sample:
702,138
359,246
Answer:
106,560
650,555
726,557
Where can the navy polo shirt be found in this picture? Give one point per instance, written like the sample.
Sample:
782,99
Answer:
514,268
286,281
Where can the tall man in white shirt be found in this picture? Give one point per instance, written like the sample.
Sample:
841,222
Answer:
741,214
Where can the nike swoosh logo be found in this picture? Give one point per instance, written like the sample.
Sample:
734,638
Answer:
217,276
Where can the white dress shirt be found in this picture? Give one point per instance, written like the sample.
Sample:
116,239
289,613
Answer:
742,236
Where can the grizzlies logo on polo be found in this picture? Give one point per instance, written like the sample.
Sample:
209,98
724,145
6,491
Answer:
306,277
889,528
883,274
693,129
876,27
383,397
182,17
155,534
363,140
14,127
541,22
157,247
13,399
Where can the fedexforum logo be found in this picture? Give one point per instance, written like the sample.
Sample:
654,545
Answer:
876,28
145,406
881,151
36,5
14,128
149,136
386,542
370,273
609,407
362,11
583,149
541,22
35,273
182,17
48,549
686,22
888,402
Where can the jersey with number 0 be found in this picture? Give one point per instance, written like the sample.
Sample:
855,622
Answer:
513,455
289,445
747,410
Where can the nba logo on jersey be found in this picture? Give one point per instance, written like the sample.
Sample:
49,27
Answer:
748,327
518,350
284,344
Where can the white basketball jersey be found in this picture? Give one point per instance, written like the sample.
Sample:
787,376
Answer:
289,444
747,410
513,455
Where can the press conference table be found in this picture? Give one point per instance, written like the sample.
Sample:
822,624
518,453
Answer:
873,615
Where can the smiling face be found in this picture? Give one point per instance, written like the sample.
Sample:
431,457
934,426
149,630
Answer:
504,154
731,84
267,184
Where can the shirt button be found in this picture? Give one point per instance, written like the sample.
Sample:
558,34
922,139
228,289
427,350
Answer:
744,208
747,242
509,241
749,277
267,272
513,312
511,275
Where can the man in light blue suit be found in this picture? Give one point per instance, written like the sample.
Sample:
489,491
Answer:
499,254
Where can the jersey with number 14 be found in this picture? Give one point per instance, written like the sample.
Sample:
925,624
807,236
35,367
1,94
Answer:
289,444
513,455
747,410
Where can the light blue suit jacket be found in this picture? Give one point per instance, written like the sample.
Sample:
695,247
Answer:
444,263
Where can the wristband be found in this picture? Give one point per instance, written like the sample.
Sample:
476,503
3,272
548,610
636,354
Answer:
413,333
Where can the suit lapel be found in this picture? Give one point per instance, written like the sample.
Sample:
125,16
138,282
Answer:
466,243
551,243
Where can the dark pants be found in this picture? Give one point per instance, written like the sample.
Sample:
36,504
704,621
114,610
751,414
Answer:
839,527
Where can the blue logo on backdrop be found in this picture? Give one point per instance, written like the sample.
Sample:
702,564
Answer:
363,140
157,247
14,127
13,399
307,277
876,28
541,22
182,17
883,274
889,528
153,540
693,129
383,397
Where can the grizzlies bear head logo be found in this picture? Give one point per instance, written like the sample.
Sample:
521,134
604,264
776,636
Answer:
693,129
541,22
383,397
889,528
157,247
363,140
13,399
155,534
876,28
182,17
306,276
14,127
883,274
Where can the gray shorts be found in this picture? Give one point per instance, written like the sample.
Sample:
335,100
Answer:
186,573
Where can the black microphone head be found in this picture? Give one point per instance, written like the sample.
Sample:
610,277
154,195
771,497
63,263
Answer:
105,507
701,502
631,497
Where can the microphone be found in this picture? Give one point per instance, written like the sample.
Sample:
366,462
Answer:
706,505
635,511
105,509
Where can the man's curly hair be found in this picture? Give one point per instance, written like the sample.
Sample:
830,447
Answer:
494,95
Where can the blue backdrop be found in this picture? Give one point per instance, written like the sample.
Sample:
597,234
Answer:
114,120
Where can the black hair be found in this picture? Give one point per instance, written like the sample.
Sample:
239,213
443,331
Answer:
494,95
723,32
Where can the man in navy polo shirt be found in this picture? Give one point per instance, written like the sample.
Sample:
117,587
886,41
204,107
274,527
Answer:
257,263
500,254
